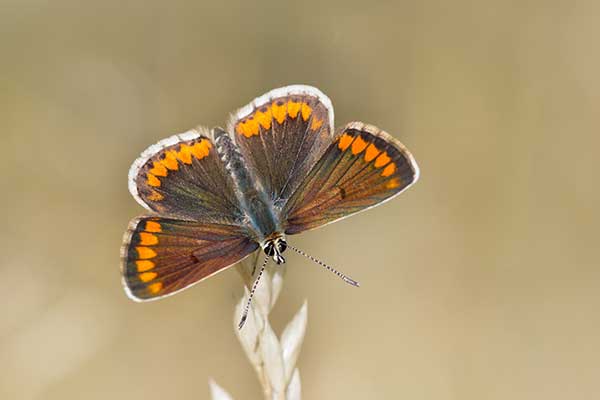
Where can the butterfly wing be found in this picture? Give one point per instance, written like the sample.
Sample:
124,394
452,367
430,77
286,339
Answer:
162,256
182,176
363,167
282,134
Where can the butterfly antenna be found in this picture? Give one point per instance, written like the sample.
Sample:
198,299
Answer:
245,313
327,267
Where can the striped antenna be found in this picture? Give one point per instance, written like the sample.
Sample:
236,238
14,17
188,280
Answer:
245,313
327,267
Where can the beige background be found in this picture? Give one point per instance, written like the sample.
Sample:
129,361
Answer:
480,282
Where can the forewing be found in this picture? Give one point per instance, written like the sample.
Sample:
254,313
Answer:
183,176
161,256
363,167
282,134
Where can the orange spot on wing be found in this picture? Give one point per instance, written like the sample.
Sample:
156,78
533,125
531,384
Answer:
147,276
306,111
293,108
345,141
393,183
248,127
358,145
371,153
185,154
382,160
279,112
145,252
152,180
155,196
148,239
316,123
170,160
144,265
252,126
153,226
201,149
158,169
387,171
240,128
155,287
264,118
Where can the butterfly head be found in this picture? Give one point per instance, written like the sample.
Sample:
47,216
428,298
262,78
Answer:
274,248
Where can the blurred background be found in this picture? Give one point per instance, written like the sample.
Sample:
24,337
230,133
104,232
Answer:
480,282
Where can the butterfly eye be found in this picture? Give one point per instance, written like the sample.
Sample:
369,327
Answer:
281,245
269,249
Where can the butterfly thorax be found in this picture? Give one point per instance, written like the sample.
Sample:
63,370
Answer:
252,197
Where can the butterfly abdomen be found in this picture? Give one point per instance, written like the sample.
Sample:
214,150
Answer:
251,195
233,161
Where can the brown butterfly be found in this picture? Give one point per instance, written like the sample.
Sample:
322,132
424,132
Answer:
278,169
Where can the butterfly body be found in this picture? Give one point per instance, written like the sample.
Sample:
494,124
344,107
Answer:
259,212
278,169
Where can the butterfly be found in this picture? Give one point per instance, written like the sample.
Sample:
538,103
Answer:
278,169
